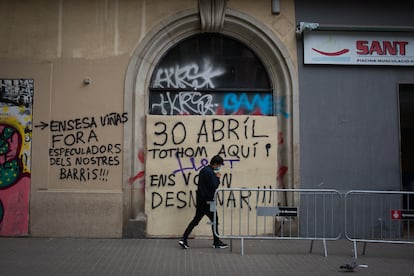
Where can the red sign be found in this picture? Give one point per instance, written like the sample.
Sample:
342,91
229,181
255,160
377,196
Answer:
396,214
384,47
358,48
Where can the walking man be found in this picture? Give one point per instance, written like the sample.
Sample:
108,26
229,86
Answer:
208,182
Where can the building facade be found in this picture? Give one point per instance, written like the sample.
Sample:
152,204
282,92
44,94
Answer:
110,108
350,109
82,82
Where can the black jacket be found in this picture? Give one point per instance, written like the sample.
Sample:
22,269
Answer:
208,182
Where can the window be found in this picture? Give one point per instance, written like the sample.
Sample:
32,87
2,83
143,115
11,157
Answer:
210,74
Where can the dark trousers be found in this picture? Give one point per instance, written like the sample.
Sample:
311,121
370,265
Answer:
202,209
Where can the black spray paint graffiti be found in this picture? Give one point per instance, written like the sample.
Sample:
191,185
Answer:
217,131
229,129
186,198
187,174
194,103
76,149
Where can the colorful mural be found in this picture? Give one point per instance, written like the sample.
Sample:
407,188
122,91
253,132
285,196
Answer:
15,144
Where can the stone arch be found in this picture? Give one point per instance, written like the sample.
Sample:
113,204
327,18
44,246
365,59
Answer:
150,50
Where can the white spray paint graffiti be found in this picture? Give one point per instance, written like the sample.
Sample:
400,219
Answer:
186,103
189,76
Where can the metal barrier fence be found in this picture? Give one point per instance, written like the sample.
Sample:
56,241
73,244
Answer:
379,216
245,213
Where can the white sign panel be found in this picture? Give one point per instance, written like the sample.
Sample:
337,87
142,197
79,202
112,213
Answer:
178,147
358,48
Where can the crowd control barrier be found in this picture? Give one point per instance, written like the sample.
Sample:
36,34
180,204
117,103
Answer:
379,216
248,213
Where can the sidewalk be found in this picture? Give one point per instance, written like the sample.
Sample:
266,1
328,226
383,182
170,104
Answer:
64,256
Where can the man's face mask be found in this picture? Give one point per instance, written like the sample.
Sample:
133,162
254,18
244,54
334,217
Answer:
217,168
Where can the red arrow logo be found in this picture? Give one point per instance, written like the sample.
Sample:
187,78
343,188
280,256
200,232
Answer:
341,52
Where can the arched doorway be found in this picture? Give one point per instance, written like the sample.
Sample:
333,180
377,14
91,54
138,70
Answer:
243,29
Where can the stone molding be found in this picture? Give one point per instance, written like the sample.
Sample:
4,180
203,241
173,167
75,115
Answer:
212,13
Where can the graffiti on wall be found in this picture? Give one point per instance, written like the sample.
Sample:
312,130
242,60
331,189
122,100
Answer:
187,76
179,146
76,150
197,98
216,103
16,96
